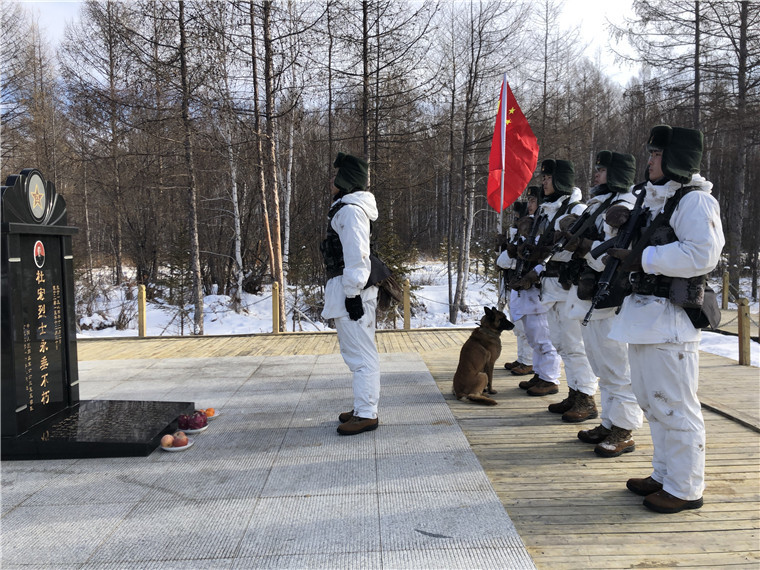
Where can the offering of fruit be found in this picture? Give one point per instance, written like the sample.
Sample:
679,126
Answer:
210,412
167,440
196,421
180,439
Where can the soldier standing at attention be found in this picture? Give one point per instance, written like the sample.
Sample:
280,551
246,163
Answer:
560,199
662,318
620,413
350,298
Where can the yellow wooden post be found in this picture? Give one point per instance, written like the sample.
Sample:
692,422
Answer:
724,299
142,319
407,306
275,308
744,338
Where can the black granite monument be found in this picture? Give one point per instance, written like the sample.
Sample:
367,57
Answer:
41,414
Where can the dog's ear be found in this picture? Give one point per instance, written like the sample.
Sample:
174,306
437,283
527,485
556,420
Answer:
488,311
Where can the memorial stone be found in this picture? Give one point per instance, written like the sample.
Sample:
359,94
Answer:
41,415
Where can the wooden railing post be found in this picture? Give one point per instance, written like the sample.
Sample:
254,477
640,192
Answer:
407,306
744,333
142,319
724,292
275,308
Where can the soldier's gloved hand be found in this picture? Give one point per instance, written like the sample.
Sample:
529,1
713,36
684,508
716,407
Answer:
580,247
354,307
617,216
528,280
628,262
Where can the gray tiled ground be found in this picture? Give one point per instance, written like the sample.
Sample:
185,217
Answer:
270,484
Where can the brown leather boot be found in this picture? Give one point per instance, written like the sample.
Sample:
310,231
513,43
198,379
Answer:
543,388
525,384
522,369
511,365
664,502
618,442
595,435
584,408
564,405
345,416
644,487
358,425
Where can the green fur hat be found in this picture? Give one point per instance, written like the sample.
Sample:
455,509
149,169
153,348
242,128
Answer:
352,173
621,171
562,173
681,151
603,159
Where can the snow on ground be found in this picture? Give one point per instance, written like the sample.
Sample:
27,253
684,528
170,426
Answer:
430,287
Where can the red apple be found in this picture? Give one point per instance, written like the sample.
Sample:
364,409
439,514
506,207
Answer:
180,439
167,440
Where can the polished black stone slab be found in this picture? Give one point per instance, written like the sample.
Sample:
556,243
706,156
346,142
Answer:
98,428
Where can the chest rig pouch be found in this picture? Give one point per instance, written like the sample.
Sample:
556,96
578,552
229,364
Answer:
693,294
332,253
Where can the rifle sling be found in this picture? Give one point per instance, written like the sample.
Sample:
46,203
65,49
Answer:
661,218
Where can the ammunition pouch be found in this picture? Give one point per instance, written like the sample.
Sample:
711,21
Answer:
332,254
692,294
588,285
570,272
648,284
552,269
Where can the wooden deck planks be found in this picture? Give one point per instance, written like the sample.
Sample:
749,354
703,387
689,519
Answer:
571,508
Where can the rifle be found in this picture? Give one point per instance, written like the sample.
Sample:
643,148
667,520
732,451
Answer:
621,241
520,265
579,227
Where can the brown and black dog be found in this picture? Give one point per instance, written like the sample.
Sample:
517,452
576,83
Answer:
479,353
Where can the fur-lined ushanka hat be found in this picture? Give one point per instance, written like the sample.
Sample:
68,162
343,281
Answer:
681,151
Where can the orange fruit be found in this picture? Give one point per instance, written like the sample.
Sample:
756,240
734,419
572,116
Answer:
210,412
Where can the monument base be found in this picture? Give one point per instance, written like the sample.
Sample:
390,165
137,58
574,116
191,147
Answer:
98,428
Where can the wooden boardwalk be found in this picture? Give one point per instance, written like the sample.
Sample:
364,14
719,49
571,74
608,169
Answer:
570,507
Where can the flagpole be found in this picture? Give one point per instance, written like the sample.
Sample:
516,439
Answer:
503,129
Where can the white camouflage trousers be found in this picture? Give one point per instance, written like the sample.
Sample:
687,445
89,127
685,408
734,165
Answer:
546,361
609,361
567,338
359,352
665,378
524,349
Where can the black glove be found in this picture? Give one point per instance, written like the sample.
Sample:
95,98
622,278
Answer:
527,280
628,262
354,307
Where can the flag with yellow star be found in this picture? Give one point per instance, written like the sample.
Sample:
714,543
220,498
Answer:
519,150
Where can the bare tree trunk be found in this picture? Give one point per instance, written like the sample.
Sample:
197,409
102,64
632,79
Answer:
232,164
272,160
115,146
87,223
736,203
259,143
192,205
697,66
365,87
449,193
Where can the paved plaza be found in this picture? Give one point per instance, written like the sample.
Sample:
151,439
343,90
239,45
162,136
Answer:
269,484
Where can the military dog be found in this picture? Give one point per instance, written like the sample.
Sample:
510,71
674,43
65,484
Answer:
479,353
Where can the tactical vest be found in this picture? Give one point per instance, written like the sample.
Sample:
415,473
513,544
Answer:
566,271
331,248
692,294
332,253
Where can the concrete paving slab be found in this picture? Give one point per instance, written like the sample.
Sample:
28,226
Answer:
270,484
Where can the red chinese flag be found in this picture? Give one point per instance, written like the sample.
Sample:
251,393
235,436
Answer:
520,155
